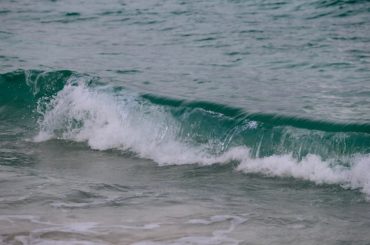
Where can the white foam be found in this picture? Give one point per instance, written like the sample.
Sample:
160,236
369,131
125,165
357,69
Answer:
71,242
216,237
30,218
107,120
313,168
218,218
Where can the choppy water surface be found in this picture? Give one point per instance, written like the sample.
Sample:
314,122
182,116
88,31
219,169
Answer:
185,122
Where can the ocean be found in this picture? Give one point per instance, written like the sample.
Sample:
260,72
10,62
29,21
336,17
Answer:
185,122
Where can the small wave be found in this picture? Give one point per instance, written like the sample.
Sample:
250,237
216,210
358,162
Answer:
331,3
78,108
172,132
322,9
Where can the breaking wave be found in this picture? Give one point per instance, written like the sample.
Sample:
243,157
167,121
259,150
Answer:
78,108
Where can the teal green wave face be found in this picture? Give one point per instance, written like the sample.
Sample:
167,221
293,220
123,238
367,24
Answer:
25,87
21,90
269,134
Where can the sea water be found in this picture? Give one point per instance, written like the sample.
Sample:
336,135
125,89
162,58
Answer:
185,122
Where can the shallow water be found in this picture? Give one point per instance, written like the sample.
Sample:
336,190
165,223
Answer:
185,122
66,195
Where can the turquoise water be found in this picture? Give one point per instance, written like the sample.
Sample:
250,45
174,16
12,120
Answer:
185,122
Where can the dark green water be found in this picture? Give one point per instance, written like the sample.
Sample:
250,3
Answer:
185,122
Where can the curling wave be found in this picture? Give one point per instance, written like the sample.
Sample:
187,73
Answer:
173,132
